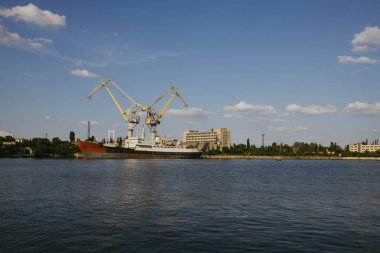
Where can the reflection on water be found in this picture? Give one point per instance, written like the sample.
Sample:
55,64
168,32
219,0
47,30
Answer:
189,205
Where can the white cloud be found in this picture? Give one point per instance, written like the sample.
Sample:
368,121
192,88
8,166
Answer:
43,40
15,40
363,109
287,129
243,109
350,59
83,73
311,110
53,119
366,40
193,112
32,14
360,49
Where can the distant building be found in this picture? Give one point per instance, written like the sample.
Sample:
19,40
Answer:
9,143
20,140
219,137
361,148
4,133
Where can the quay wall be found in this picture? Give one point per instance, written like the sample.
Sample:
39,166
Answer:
288,157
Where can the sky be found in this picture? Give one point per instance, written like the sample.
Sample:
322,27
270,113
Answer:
292,70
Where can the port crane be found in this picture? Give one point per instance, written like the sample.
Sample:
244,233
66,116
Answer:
130,114
153,119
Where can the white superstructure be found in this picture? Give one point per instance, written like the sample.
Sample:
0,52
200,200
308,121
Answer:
141,144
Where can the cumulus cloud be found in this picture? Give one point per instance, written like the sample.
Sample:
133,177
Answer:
32,14
83,73
363,109
311,110
360,49
366,40
15,40
287,129
243,109
350,59
193,112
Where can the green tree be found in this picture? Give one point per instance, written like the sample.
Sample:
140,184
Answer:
72,136
119,141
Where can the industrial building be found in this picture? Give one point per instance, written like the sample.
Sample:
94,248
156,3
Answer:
4,133
218,137
361,148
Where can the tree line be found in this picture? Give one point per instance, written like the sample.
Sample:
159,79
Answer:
297,149
38,147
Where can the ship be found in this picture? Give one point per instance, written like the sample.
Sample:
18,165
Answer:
134,148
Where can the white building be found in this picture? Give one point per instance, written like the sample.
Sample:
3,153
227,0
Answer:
361,148
4,133
218,136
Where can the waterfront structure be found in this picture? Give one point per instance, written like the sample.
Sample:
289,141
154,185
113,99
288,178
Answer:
220,137
4,133
361,148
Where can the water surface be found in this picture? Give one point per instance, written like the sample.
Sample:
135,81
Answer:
189,206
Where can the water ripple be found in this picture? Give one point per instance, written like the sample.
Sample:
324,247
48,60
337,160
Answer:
189,206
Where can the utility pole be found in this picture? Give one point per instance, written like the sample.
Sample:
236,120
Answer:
88,130
263,135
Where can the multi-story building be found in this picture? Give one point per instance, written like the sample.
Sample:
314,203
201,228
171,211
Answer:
221,137
4,133
361,148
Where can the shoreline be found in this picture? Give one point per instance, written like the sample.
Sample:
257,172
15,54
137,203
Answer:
226,157
289,157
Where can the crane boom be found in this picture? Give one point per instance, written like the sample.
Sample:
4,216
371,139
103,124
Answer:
123,113
104,84
129,115
158,99
175,93
153,119
98,86
125,94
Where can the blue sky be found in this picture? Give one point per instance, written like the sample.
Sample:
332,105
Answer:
294,70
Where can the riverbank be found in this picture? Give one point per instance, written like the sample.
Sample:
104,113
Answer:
288,157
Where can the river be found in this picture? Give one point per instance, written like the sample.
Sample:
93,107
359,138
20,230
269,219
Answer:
189,206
